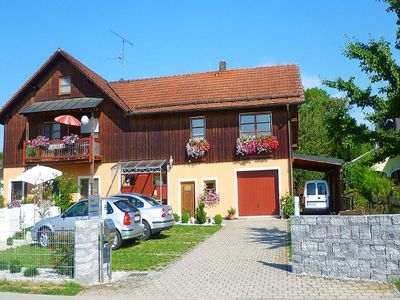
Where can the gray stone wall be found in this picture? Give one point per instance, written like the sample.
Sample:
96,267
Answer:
86,259
363,247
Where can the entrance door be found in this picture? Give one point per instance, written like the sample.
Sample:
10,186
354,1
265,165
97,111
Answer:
258,193
187,198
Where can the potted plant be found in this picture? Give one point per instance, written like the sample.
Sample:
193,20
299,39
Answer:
197,148
231,213
40,142
70,140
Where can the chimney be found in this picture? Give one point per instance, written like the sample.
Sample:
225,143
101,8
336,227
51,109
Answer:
222,65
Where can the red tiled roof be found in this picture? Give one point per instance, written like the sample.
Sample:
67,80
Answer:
217,89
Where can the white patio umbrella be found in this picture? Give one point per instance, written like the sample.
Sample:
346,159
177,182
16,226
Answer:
39,174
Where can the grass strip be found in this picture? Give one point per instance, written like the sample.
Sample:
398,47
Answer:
156,253
44,288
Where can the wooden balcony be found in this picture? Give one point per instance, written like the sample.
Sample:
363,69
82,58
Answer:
57,151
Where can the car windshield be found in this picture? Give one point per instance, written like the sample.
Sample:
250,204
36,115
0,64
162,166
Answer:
151,201
125,206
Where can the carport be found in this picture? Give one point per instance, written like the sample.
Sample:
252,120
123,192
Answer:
332,169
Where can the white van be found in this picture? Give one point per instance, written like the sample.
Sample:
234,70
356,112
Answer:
316,194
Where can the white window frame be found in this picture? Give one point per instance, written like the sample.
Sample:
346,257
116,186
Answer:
256,113
59,85
204,179
205,127
88,177
10,181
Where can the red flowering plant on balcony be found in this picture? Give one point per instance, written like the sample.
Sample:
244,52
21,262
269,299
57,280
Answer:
197,148
40,142
209,197
251,144
70,140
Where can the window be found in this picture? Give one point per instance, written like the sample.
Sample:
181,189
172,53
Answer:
109,209
84,186
18,190
65,85
310,189
255,124
52,131
396,176
210,185
80,209
321,188
198,128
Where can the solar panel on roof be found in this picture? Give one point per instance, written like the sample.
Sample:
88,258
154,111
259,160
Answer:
65,104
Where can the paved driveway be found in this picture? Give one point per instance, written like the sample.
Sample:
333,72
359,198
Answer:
246,259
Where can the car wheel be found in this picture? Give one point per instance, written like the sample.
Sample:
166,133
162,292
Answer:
146,232
44,237
117,241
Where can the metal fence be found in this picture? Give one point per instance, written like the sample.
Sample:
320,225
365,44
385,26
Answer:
45,255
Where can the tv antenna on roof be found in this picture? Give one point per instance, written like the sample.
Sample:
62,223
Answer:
122,56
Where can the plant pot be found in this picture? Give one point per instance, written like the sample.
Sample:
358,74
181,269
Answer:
231,216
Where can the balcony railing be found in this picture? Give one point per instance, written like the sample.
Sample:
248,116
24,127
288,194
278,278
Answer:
58,151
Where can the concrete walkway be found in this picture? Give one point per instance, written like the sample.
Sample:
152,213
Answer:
246,259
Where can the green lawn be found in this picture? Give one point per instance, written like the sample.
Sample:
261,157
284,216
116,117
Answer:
155,253
46,288
29,256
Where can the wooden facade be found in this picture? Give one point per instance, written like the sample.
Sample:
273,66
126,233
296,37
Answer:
123,137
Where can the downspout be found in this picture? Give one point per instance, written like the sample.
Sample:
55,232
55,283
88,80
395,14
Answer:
290,162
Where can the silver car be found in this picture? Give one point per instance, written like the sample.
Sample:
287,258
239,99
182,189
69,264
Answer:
126,217
156,217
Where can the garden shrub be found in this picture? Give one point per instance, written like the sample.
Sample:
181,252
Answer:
185,217
373,192
287,205
10,241
63,189
218,219
176,217
200,214
4,265
31,272
15,266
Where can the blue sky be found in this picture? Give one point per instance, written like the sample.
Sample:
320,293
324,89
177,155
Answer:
173,37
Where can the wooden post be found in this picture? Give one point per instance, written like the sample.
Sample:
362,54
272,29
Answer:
91,144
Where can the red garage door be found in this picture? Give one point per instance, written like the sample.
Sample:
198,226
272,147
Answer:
258,193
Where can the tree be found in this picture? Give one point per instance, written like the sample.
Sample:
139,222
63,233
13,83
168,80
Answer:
327,130
63,188
383,93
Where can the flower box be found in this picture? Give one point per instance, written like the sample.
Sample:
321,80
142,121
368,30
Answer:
256,144
197,149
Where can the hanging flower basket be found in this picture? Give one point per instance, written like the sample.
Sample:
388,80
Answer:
40,142
250,144
197,148
209,197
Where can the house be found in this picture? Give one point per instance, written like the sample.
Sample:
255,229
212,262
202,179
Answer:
138,132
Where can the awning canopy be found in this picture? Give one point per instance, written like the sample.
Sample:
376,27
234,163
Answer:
65,104
139,166
315,163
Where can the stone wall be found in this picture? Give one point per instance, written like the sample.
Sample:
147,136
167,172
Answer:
363,247
86,259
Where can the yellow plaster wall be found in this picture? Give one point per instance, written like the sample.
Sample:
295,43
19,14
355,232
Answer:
225,174
107,185
9,174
